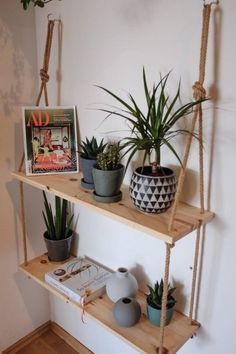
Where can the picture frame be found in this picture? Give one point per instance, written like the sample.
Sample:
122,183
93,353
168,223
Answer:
50,140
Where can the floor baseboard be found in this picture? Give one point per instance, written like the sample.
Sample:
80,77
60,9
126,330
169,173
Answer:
28,339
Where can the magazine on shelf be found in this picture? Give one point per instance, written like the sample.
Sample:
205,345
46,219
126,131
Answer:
50,140
81,279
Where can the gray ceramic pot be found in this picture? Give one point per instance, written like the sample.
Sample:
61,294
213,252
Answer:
86,168
107,184
127,312
154,315
58,250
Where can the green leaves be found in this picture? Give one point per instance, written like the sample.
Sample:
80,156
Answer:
39,3
154,298
154,129
57,225
109,159
90,148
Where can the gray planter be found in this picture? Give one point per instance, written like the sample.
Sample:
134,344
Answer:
58,250
107,184
154,315
86,168
127,312
153,194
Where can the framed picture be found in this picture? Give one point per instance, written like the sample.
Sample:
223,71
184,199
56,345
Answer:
50,140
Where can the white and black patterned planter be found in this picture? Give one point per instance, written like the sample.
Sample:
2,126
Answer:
153,194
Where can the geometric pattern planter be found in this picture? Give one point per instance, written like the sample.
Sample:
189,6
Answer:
153,194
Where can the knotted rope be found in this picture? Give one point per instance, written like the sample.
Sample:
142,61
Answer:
198,92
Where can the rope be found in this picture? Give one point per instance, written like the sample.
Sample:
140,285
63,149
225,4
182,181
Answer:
164,297
44,71
194,279
198,93
44,79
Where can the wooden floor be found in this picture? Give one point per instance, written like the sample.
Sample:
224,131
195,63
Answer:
48,343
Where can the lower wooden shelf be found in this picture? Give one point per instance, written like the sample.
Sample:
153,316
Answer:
144,337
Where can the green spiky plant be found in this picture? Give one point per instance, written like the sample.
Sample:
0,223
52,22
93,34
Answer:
90,148
151,130
58,225
39,3
154,298
110,158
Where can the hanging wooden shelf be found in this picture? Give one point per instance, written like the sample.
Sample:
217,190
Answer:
68,187
144,337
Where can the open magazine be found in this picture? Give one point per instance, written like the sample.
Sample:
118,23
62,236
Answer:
50,140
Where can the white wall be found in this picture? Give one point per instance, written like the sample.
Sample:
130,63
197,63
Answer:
107,43
23,304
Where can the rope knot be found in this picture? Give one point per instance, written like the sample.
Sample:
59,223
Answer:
198,91
44,76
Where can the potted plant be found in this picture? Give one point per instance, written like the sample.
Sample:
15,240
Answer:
58,235
108,175
154,301
152,186
40,3
89,149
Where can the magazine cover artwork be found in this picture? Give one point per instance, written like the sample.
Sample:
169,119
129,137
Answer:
50,139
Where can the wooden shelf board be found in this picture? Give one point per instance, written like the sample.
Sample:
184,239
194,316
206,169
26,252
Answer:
68,186
144,337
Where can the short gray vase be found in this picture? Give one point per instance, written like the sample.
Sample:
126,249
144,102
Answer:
86,168
127,312
58,250
121,284
107,184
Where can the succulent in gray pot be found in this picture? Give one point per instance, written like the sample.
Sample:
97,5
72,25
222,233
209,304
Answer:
154,302
152,186
89,149
108,175
58,236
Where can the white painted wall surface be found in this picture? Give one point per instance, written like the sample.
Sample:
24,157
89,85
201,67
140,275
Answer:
107,43
24,305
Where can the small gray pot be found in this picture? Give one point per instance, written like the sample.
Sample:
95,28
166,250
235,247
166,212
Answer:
127,312
58,250
107,184
86,168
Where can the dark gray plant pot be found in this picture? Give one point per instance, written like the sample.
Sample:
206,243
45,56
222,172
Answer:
153,194
86,168
127,312
107,184
58,250
154,315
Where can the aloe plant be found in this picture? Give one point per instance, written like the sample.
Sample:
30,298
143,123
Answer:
90,148
151,130
154,298
58,226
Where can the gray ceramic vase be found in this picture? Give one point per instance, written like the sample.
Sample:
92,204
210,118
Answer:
58,250
121,284
127,312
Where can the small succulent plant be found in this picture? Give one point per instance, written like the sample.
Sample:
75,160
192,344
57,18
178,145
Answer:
58,226
90,148
154,298
110,158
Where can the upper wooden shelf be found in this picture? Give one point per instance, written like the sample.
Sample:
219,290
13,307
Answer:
144,337
68,187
